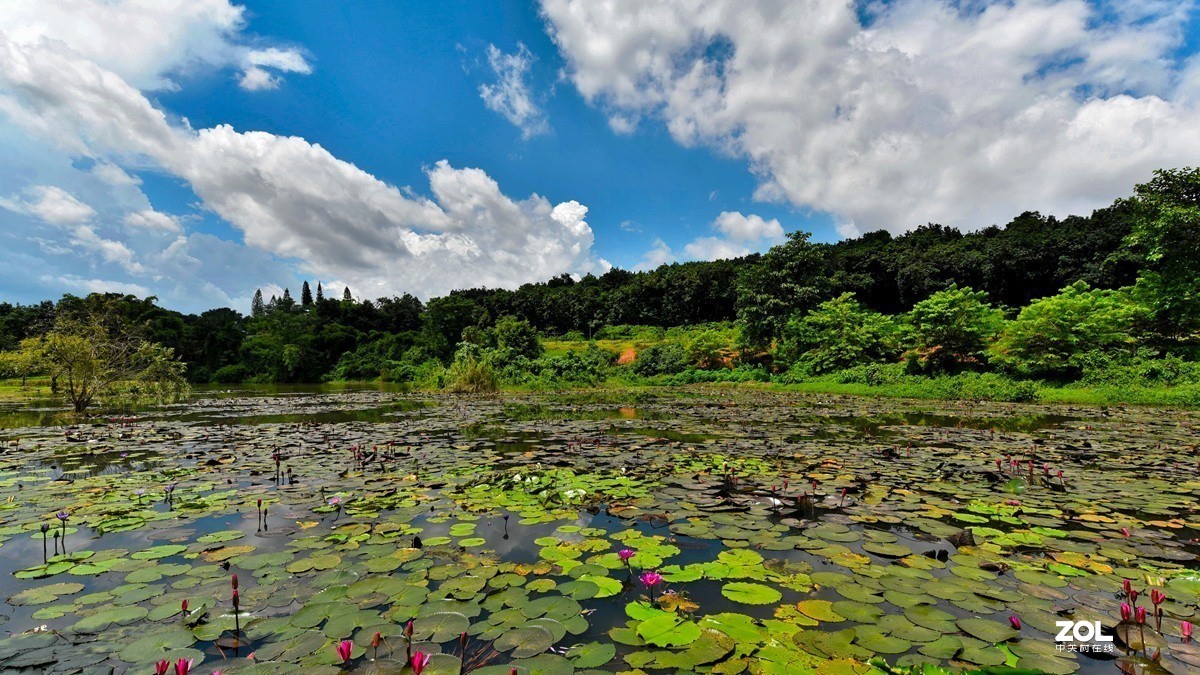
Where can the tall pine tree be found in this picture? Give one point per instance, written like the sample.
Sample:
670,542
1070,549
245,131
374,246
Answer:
346,295
306,295
320,293
256,305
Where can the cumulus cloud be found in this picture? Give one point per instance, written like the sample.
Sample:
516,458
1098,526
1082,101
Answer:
148,42
738,235
915,111
293,198
50,204
510,95
659,254
738,227
149,219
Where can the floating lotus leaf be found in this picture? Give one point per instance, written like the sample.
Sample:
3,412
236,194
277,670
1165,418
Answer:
524,642
820,610
987,630
750,593
668,630
440,626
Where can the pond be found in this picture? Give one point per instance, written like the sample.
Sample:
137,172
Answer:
695,530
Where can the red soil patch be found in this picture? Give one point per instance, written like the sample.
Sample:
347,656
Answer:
628,356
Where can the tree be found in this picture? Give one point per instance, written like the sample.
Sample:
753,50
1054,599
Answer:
839,333
517,337
791,277
97,356
306,298
954,327
1055,335
257,308
346,297
1167,231
21,363
320,293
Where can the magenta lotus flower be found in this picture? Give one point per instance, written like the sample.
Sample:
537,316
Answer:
161,667
419,661
343,650
1126,611
651,579
1157,597
1015,622
1140,614
182,666
625,554
1186,628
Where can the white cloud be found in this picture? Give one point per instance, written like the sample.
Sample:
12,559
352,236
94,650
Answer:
50,204
962,113
714,248
510,95
84,285
659,254
738,227
114,175
149,219
293,198
256,77
739,235
146,42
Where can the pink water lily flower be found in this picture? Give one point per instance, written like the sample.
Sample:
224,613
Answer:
343,650
1015,622
162,667
419,661
1126,611
1186,628
625,554
182,666
651,579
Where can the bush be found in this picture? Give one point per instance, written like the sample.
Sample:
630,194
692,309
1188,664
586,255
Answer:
471,372
661,359
954,327
839,333
1057,335
232,374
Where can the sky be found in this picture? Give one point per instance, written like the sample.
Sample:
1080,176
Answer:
197,150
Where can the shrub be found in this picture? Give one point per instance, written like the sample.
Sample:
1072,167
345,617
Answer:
232,374
661,359
839,333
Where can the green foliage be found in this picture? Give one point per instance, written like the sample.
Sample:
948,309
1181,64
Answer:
661,359
708,349
1055,336
517,337
471,372
791,277
1167,231
954,327
97,354
839,333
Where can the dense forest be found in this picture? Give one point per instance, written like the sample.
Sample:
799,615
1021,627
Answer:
1037,297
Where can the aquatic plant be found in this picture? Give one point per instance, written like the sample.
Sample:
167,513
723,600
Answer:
344,649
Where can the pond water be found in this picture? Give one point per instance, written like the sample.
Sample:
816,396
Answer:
785,534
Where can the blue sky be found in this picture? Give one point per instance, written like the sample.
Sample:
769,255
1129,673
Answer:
418,101
199,150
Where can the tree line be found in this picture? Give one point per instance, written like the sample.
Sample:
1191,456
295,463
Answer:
1121,278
